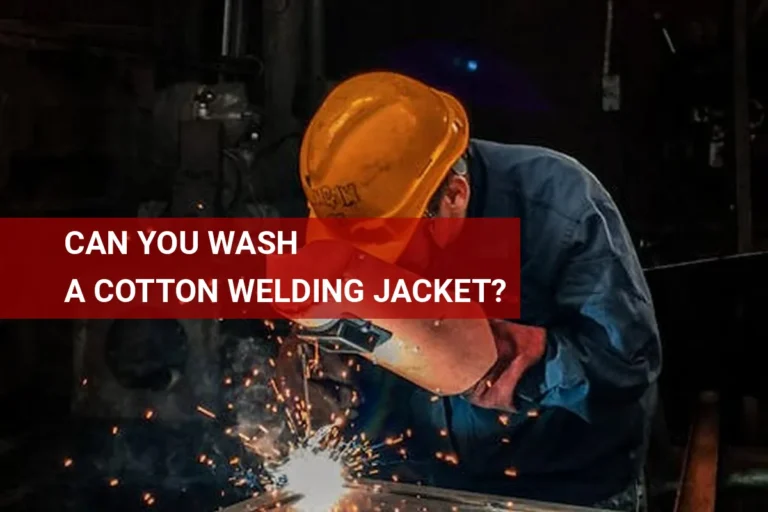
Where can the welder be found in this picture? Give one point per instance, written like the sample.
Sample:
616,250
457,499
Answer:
579,367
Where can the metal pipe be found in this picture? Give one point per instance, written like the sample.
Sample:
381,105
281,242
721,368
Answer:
239,46
705,261
697,491
316,50
754,478
226,28
741,140
283,51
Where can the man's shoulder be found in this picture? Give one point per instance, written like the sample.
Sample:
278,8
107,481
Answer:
544,177
522,154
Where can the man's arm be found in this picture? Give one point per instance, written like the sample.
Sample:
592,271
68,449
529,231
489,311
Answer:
431,353
603,345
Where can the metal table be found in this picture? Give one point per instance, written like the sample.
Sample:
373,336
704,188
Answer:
377,496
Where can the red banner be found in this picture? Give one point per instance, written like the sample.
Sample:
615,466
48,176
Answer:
260,268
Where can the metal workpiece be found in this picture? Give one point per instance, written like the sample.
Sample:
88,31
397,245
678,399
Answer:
368,495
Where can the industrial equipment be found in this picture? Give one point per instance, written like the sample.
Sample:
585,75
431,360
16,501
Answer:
135,369
125,369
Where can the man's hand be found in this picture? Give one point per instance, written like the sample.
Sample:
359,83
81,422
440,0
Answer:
519,347
332,395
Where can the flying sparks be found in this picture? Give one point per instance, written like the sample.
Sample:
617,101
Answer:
300,452
303,451
317,462
322,461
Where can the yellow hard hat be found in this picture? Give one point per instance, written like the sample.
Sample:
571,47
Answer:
378,147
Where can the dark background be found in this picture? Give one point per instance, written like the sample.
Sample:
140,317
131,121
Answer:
82,123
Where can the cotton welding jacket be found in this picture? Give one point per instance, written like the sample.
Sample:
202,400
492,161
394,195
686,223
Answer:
593,392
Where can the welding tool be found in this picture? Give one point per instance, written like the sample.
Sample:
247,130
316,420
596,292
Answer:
445,356
344,336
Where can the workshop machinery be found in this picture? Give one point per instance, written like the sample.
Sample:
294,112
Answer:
205,140
125,368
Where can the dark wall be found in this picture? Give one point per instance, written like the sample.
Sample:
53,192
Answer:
539,65
538,79
119,12
77,84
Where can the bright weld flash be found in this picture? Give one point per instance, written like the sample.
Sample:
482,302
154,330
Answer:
315,472
316,477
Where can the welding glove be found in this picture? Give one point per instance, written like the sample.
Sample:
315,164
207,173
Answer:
334,377
332,394
328,387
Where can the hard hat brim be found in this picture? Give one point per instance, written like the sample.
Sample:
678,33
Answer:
455,145
389,249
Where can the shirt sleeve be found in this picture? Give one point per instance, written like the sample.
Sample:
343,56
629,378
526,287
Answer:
603,346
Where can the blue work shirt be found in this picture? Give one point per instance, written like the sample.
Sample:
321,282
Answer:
584,411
